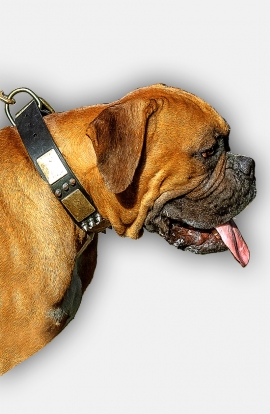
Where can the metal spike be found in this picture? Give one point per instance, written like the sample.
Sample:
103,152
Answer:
91,223
85,226
97,218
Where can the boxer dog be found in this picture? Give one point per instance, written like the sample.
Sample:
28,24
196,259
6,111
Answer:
158,159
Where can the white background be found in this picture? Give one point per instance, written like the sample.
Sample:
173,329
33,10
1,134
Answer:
159,330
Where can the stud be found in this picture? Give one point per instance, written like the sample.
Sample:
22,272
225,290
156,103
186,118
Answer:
58,193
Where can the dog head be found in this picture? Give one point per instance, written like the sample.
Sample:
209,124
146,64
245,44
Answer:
164,155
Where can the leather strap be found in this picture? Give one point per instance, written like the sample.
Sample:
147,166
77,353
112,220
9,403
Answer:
53,168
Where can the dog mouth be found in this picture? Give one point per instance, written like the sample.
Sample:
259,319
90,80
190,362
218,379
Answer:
202,241
201,221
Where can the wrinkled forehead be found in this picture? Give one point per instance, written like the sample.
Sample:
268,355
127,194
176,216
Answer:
183,109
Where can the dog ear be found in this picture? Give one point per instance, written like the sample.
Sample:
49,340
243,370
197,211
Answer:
117,135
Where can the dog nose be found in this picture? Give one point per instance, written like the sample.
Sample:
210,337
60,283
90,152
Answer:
246,164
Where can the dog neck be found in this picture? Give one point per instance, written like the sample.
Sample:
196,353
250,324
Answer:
54,169
125,211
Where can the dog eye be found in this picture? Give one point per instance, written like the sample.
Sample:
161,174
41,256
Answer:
209,152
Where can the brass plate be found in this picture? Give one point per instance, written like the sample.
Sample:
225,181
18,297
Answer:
78,205
51,166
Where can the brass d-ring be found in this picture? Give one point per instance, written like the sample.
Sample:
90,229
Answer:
10,96
5,99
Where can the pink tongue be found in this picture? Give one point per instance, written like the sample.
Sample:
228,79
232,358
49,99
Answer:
233,239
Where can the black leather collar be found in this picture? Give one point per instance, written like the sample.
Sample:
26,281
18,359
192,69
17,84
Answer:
53,168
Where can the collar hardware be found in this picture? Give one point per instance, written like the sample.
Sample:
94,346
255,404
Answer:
51,165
